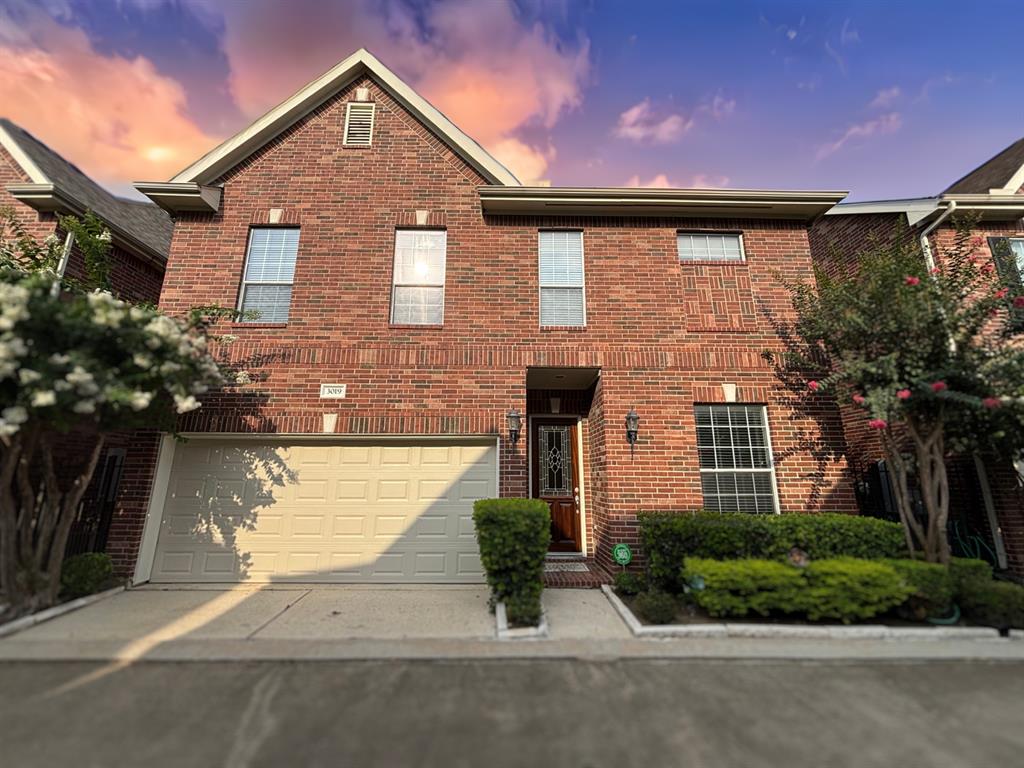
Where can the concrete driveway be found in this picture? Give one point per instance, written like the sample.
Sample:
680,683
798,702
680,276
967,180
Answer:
150,620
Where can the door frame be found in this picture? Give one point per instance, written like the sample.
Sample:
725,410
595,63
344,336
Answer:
579,452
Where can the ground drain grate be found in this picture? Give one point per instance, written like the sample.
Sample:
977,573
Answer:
566,568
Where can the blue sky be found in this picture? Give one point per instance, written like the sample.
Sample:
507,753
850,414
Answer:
886,99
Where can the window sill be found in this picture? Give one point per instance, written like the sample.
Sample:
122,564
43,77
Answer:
712,262
258,326
416,326
560,328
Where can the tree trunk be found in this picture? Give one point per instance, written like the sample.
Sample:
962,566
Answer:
912,530
931,460
36,516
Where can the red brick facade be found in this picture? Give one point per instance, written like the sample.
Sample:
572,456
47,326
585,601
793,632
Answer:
836,241
664,335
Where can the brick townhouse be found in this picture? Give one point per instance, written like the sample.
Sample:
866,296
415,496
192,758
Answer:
986,493
37,185
430,332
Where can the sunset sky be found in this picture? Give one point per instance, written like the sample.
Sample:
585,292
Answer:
886,99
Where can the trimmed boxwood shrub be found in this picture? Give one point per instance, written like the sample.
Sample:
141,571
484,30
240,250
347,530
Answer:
847,589
630,583
998,604
932,585
656,607
85,574
668,538
739,587
514,535
965,573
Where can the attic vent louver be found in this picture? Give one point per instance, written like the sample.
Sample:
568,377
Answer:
358,124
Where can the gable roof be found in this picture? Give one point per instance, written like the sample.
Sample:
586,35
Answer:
1000,175
190,190
58,185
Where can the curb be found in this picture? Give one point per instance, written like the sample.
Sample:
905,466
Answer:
795,631
18,625
504,632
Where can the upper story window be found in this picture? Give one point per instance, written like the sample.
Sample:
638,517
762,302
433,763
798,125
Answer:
358,124
417,294
1017,249
696,246
269,273
736,469
562,295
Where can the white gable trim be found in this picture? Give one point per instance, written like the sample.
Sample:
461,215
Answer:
285,114
36,176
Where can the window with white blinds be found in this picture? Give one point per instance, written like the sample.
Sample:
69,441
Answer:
417,294
736,468
709,247
269,273
562,296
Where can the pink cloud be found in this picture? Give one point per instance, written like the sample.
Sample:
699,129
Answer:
481,64
643,123
118,119
885,97
698,181
887,123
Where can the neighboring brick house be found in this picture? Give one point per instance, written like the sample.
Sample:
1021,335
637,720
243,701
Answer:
37,185
986,495
412,296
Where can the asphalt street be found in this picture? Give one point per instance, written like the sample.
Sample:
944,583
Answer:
594,714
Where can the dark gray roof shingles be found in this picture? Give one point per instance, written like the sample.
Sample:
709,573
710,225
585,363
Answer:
143,221
992,174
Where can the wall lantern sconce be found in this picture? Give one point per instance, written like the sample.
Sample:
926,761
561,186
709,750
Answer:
632,427
515,423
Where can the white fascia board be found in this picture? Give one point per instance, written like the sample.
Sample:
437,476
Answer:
179,197
285,114
27,164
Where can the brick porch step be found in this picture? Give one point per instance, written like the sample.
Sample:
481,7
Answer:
582,573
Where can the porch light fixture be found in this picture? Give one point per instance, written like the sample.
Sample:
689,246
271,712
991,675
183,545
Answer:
515,423
632,427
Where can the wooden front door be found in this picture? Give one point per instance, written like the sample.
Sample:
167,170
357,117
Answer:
556,479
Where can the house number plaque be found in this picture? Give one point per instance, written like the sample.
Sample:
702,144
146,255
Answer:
332,391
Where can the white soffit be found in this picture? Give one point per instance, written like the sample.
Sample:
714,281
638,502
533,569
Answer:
285,114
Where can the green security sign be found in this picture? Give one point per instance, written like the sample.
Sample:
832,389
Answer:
622,554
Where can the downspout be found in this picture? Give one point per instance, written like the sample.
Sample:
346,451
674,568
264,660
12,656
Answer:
979,465
65,257
929,259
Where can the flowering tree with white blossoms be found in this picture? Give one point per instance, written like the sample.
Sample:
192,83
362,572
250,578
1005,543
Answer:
82,363
934,358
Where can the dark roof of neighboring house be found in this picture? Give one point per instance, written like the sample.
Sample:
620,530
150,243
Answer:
143,220
993,174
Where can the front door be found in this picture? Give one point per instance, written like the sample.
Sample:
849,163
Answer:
556,479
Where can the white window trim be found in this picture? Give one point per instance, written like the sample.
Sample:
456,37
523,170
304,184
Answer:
739,235
769,470
394,274
245,283
583,287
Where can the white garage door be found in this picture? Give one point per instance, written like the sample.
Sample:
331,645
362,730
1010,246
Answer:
350,512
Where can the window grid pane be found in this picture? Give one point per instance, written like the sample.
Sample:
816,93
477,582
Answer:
735,458
269,273
1017,248
561,306
561,259
710,247
417,296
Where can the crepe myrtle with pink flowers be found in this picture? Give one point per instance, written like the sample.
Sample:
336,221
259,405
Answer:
81,361
933,356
